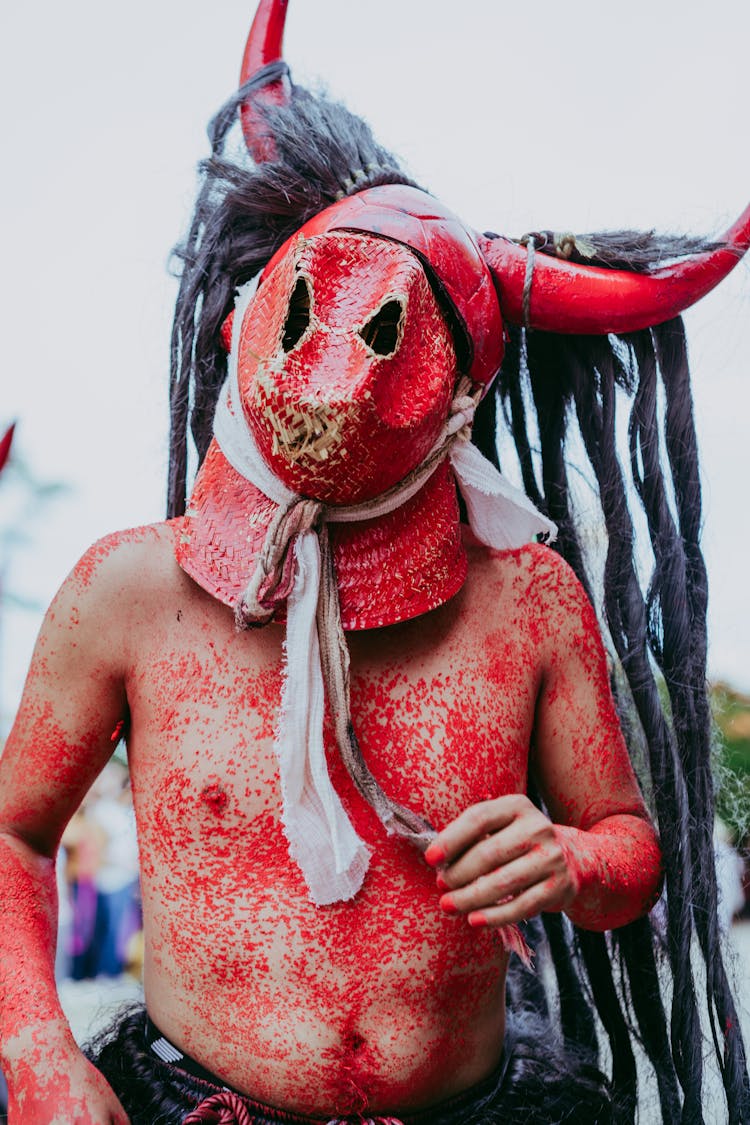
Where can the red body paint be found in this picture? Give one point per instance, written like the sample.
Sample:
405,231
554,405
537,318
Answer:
383,1003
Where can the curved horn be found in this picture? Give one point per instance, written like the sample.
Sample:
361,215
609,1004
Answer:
588,300
5,443
264,47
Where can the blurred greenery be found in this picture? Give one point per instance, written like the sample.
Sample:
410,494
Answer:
732,713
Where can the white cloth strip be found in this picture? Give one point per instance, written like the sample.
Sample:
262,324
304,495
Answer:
500,515
238,445
230,425
322,840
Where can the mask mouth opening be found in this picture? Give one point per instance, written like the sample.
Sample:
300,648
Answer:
312,436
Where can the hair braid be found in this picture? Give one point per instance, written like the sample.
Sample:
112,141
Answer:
662,629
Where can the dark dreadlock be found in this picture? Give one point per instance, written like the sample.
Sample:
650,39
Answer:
550,386
553,390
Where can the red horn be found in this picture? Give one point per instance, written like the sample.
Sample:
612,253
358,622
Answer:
5,443
264,46
571,298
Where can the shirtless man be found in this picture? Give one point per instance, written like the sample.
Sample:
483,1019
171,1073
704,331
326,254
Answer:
397,997
388,998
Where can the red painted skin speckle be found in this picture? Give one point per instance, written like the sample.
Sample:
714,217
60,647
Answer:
379,1004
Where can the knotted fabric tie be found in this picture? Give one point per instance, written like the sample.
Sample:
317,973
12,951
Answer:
366,1121
296,566
224,1108
227,1108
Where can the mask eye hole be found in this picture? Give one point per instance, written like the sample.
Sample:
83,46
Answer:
382,332
298,317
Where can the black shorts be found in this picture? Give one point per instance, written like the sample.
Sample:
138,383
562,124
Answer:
534,1084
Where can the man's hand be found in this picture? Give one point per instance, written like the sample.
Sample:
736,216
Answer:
502,861
598,859
54,1084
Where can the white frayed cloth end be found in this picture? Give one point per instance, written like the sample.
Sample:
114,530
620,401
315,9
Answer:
500,515
322,840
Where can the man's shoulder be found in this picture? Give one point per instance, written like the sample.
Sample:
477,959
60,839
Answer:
133,561
115,591
533,568
532,590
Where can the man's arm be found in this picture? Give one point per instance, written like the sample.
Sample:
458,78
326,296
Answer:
73,700
598,858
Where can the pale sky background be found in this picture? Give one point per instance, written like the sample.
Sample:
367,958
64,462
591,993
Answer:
577,115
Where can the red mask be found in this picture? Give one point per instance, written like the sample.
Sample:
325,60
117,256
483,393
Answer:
346,366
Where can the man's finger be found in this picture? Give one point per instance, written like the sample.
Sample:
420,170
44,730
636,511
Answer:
520,909
473,825
492,852
490,890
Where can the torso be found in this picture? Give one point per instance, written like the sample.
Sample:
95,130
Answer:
383,1002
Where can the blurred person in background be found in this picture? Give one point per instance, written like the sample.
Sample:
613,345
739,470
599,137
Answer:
102,874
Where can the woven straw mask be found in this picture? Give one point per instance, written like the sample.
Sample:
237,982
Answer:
346,366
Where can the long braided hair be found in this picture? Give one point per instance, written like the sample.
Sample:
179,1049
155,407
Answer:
558,393
559,402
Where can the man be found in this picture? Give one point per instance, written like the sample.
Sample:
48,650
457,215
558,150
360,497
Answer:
314,948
